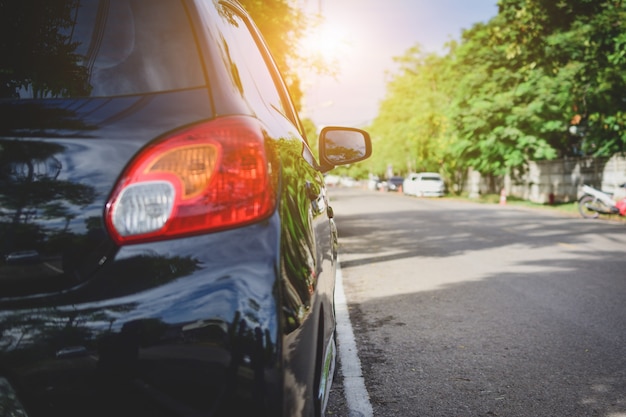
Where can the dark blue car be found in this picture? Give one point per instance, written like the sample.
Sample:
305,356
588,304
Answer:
152,159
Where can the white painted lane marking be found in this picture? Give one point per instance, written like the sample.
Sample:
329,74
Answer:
357,398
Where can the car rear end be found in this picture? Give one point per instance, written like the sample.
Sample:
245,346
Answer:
150,230
430,185
395,183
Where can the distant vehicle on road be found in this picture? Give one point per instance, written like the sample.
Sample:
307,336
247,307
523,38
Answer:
424,184
395,183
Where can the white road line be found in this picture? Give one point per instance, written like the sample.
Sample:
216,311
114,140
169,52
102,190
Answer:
357,398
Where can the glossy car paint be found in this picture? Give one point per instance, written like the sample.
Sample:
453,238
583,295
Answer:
229,323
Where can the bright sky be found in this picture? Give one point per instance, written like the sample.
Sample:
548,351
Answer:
365,35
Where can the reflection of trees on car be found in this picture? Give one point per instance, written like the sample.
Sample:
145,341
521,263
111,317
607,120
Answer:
77,325
40,63
340,145
37,207
337,152
299,265
32,190
69,325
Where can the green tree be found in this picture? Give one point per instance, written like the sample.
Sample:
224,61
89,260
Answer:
409,131
502,110
580,44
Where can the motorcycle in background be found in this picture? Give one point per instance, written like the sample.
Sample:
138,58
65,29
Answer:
595,202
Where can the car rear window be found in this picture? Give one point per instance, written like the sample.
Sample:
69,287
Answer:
71,48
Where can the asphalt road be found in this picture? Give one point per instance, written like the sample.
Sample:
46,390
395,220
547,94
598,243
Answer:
463,309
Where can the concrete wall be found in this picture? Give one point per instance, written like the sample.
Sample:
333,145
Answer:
558,181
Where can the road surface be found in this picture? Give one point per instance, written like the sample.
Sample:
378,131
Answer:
463,309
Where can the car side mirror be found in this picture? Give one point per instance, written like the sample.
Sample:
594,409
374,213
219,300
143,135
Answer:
342,146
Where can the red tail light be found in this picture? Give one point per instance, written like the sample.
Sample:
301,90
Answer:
208,177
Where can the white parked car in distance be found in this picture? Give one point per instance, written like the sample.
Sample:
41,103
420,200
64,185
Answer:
424,184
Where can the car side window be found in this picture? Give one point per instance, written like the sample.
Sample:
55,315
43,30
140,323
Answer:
252,70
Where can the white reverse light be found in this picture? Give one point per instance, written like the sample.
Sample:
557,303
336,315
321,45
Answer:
143,208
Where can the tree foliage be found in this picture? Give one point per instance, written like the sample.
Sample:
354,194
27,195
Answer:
542,79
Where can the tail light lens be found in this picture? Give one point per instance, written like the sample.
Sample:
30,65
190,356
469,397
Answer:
208,177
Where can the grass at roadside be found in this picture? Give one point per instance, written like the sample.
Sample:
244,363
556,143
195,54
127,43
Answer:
570,209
